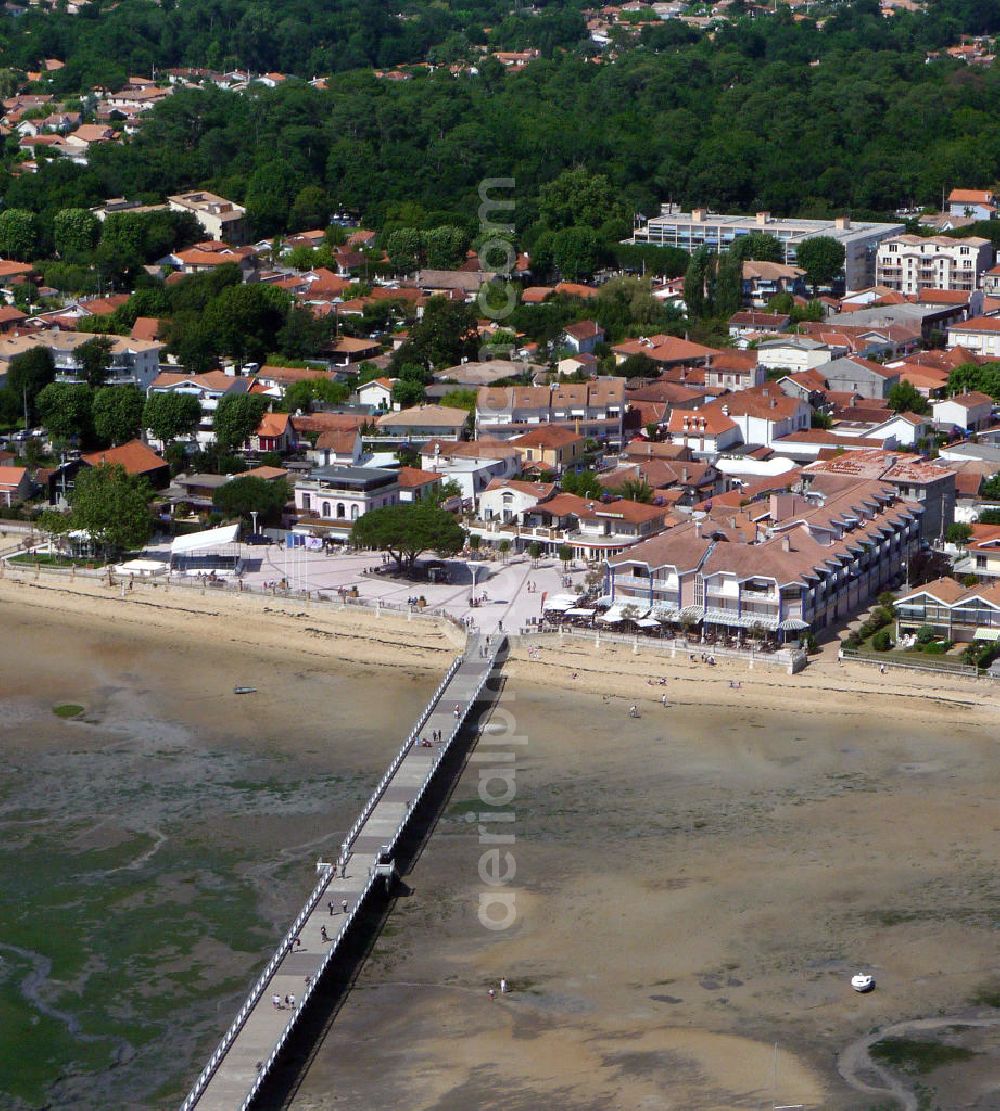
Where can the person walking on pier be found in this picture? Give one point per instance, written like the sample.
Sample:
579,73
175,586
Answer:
344,904
330,905
323,934
276,1000
290,1000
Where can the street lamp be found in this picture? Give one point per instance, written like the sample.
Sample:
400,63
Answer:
474,567
253,514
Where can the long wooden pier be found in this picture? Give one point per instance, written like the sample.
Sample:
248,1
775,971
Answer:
250,1047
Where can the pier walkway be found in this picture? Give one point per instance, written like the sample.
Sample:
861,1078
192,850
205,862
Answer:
249,1048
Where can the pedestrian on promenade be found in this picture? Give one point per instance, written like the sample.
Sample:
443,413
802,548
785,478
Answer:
457,711
500,626
322,933
276,1000
298,943
290,1000
344,904
503,985
330,905
492,994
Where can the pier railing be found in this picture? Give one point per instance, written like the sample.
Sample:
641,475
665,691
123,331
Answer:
260,985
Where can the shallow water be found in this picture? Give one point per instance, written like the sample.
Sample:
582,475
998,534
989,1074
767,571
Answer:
152,849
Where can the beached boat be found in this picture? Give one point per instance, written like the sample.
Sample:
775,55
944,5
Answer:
244,690
861,981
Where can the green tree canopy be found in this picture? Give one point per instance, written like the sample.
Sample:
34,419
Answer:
75,231
906,398
93,359
582,483
237,417
169,415
113,507
65,409
403,247
969,376
822,258
445,334
576,252
759,246
407,531
19,234
242,496
117,413
29,373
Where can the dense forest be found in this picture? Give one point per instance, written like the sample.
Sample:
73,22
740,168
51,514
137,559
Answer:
770,113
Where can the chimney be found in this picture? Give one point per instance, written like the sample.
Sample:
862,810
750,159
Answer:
786,544
774,403
697,529
843,223
697,215
725,410
684,474
766,392
763,218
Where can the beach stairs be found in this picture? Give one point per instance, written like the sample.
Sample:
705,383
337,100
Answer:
317,940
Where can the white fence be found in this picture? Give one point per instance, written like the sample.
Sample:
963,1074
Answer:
964,670
789,659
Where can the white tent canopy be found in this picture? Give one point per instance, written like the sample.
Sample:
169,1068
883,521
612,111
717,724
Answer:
200,541
560,602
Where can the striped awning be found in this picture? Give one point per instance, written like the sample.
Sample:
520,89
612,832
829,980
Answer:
792,625
988,634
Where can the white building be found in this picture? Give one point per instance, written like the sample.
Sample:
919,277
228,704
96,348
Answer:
910,263
970,410
331,499
796,353
130,361
701,228
223,220
208,389
980,335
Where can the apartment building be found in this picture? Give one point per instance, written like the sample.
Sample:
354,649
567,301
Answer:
209,389
910,263
131,361
222,220
702,228
777,567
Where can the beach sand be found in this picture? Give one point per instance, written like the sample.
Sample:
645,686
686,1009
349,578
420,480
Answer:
692,887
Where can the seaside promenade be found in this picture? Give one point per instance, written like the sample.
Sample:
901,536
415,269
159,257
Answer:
250,1047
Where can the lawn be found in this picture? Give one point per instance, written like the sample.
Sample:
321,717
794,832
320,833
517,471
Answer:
47,559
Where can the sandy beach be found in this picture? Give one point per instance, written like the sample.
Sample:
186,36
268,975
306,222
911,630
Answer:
692,887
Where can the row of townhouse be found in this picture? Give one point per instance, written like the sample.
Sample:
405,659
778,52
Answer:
783,566
593,409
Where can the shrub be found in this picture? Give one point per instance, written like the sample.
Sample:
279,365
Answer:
854,639
882,641
925,634
937,647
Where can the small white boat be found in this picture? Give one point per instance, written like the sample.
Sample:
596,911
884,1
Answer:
244,690
861,981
